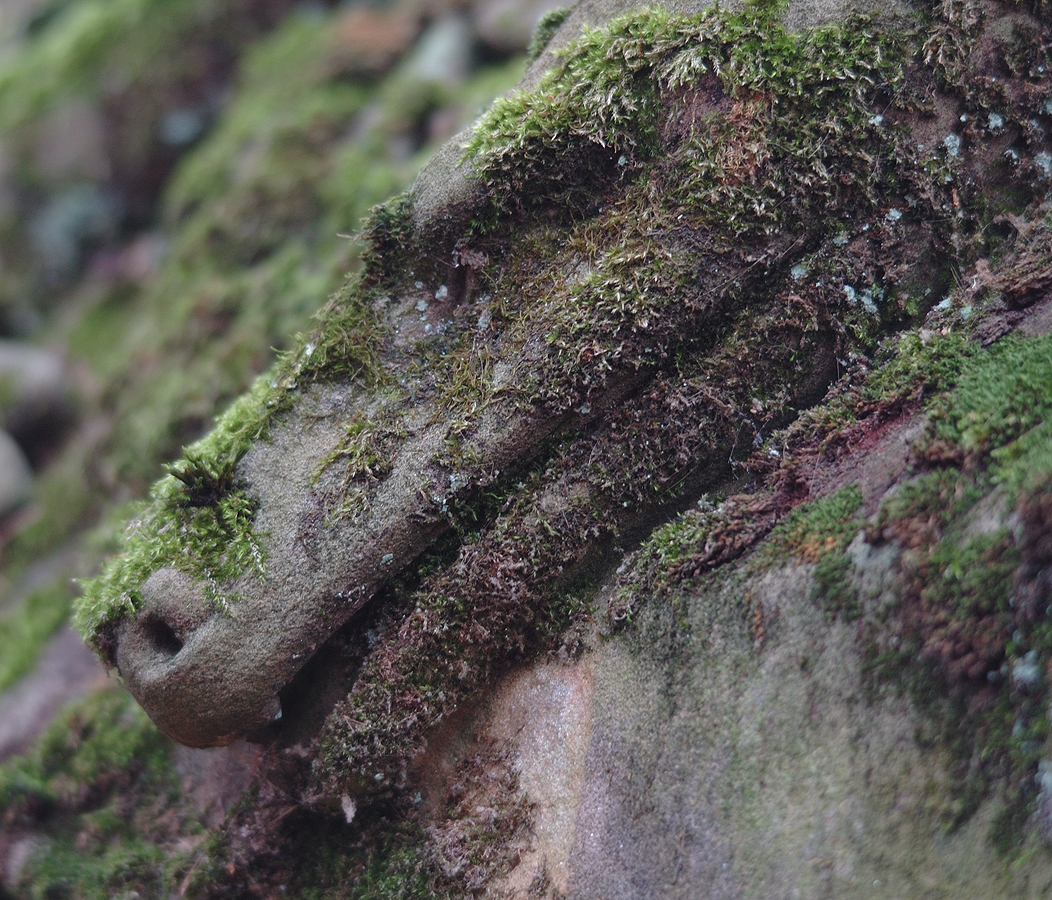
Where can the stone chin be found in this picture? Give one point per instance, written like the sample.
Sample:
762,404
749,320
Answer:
172,659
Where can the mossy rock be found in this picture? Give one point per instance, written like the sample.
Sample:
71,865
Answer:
685,230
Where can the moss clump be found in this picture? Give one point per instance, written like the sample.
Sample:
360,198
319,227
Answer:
365,455
786,126
197,520
347,342
214,543
676,555
919,365
944,494
815,529
364,450
1000,414
819,533
969,635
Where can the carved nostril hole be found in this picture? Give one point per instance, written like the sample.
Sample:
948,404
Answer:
160,634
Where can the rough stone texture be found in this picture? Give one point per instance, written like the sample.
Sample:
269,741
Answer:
716,769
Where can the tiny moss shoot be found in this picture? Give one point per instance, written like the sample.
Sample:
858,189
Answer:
547,26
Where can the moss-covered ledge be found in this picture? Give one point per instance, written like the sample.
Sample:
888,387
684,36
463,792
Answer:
658,252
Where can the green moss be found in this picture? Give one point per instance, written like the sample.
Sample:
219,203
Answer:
197,521
671,558
632,284
819,527
791,131
819,532
348,341
942,496
365,455
1001,410
214,543
101,778
970,642
25,628
387,234
127,69
680,553
912,366
364,449
920,364
973,576
644,283
682,537
466,385
548,24
592,100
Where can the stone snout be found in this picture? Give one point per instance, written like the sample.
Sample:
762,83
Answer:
173,657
